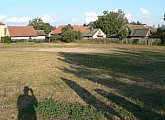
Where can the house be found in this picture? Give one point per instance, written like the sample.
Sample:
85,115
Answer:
40,35
21,33
2,30
133,27
94,33
58,31
140,33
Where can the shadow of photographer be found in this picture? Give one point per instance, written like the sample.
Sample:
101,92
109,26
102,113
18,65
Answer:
26,104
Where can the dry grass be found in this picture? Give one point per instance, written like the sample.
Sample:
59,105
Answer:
116,87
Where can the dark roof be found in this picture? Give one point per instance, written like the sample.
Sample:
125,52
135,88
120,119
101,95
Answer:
40,32
2,23
133,27
90,33
139,32
21,31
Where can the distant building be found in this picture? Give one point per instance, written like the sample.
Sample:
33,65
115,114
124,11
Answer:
86,31
40,35
140,33
21,33
2,30
133,27
58,31
94,33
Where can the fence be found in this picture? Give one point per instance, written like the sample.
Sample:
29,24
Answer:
145,41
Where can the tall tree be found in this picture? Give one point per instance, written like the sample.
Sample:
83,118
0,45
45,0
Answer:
66,28
160,33
136,23
38,24
113,23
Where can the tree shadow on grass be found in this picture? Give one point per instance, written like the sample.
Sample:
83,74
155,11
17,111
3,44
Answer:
145,70
90,99
138,111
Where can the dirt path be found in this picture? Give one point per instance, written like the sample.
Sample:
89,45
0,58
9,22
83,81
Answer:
66,49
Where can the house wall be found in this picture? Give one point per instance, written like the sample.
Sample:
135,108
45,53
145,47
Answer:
39,37
99,34
2,31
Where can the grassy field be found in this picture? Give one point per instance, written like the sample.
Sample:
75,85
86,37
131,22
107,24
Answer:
125,82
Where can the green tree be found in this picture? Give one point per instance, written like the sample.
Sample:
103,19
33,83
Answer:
69,35
136,23
6,39
160,33
38,24
113,23
66,28
47,28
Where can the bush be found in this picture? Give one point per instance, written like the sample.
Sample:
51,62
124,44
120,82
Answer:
55,38
73,111
70,36
6,39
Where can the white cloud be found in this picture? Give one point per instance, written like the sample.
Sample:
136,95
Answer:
47,18
90,16
12,20
128,16
18,20
24,19
2,17
144,11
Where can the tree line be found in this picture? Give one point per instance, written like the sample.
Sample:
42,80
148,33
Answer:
111,23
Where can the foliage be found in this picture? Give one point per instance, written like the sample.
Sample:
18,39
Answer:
47,28
136,23
6,39
160,33
69,35
66,28
39,24
55,38
57,110
113,23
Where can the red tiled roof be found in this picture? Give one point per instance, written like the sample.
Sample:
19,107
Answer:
1,23
22,31
82,29
57,31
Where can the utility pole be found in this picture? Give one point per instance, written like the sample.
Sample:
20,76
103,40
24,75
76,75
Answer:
164,16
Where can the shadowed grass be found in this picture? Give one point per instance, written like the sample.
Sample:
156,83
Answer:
137,76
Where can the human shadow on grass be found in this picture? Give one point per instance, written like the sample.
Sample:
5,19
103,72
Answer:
144,75
90,99
26,104
137,110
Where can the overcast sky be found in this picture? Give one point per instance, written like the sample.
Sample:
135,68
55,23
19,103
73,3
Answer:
59,12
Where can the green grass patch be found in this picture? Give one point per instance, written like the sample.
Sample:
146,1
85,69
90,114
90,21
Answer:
60,110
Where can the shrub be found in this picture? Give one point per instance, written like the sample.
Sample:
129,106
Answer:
6,39
70,36
55,38
57,110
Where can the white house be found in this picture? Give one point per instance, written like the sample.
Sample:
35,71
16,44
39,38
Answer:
40,35
2,30
21,33
94,33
